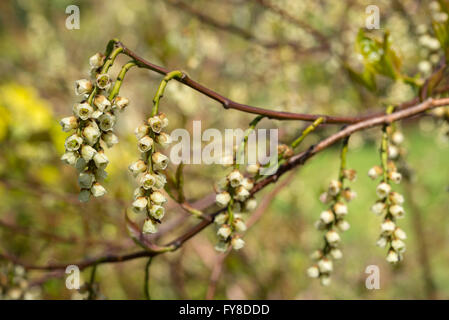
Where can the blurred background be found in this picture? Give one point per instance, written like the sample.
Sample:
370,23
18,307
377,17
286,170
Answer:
298,56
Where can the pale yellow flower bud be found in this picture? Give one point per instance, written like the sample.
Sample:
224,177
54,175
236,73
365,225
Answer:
160,161
241,194
253,168
87,152
223,199
235,178
239,225
147,181
141,131
375,172
145,144
327,216
137,167
325,265
96,61
98,190
69,158
313,272
157,212
102,103
69,123
83,110
109,138
103,81
224,231
237,243
83,86
107,121
149,227
155,123
120,103
164,139
332,237
158,198
392,257
140,203
383,189
221,218
73,142
100,159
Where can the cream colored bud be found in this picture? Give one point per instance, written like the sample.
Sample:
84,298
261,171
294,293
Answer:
155,124
87,152
109,138
350,174
235,178
68,123
336,253
138,192
250,204
316,255
83,86
84,195
397,137
349,194
332,237
86,179
160,161
145,144
157,212
164,139
375,172
325,280
395,176
164,119
80,164
91,133
241,194
160,181
392,257
224,231
98,190
378,208
396,198
96,61
383,189
393,152
69,158
100,159
327,216
141,131
221,218
140,203
83,110
107,121
247,183
147,181
239,225
397,211
137,167
103,81
158,198
253,169
325,265
334,187
313,272
221,246
96,114
120,103
387,227
340,209
342,225
398,245
227,160
237,243
102,103
149,227
382,242
400,234
223,199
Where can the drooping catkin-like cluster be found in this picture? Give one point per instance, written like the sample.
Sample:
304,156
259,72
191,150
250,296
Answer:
148,197
331,222
92,126
390,203
14,283
234,194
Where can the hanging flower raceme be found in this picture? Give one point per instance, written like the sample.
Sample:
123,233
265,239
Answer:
234,194
332,222
148,198
390,203
92,126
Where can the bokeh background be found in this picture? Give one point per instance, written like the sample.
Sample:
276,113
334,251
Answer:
254,54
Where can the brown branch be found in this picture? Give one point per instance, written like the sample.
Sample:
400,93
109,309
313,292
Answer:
293,162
